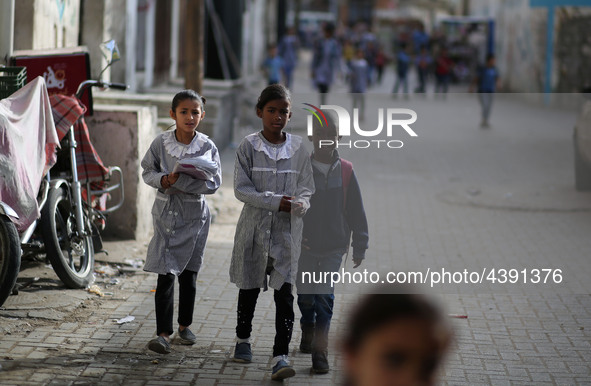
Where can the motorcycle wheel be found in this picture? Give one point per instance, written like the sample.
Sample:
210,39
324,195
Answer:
10,257
70,255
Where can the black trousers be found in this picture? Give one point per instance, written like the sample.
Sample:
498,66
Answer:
165,300
284,316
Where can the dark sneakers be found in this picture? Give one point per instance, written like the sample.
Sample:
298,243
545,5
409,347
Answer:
159,345
242,353
186,336
282,370
320,362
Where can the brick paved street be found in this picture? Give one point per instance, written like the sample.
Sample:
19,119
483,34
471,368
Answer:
454,197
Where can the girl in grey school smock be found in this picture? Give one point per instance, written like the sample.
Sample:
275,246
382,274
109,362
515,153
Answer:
273,177
180,215
268,241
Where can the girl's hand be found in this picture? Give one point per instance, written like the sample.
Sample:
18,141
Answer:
164,182
285,204
168,180
298,209
172,178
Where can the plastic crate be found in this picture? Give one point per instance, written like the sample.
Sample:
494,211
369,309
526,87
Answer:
11,79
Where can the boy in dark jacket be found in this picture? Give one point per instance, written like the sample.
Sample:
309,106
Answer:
336,211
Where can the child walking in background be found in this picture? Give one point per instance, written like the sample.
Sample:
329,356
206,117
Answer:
443,67
273,65
402,64
358,82
381,61
336,211
180,214
288,50
325,61
487,79
273,177
423,62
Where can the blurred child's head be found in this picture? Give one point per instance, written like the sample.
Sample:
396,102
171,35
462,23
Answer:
325,135
395,339
272,49
490,60
359,54
328,29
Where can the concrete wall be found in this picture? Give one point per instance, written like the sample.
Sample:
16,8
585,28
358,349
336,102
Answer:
93,33
222,97
110,19
573,52
253,42
521,46
6,31
521,43
42,24
121,136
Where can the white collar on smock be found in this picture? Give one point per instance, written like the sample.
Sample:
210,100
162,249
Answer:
284,150
177,149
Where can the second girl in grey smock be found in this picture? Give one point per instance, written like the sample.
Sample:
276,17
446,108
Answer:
268,241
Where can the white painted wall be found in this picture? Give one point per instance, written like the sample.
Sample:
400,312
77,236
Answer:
520,42
253,37
43,24
111,19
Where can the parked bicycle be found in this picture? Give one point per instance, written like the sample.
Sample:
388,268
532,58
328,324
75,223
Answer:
71,197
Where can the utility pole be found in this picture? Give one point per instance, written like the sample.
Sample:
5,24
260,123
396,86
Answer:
296,21
466,7
194,45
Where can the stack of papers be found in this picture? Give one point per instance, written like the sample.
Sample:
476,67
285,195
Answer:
201,168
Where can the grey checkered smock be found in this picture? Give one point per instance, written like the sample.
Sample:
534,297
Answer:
268,241
180,214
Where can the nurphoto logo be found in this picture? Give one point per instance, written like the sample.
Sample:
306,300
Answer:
395,118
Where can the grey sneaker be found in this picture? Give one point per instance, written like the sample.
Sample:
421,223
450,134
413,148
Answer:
242,353
282,370
186,336
159,345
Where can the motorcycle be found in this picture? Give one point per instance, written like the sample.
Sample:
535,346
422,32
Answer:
72,199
